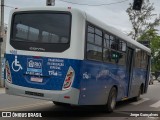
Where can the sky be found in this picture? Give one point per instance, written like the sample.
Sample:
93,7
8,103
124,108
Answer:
113,14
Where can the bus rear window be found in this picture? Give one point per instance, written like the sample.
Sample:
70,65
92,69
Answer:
41,31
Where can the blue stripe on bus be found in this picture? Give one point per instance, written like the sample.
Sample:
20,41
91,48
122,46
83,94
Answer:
52,70
93,79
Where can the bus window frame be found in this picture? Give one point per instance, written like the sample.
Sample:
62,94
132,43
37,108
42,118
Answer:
103,34
49,47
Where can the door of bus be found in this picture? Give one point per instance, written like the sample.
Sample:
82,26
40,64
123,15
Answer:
129,65
148,67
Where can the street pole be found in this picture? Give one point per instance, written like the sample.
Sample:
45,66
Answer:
1,36
2,19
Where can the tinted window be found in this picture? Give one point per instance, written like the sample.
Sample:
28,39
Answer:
98,40
107,56
106,41
98,37
144,61
94,43
103,46
123,46
41,27
121,59
94,35
90,34
94,52
113,57
113,43
138,58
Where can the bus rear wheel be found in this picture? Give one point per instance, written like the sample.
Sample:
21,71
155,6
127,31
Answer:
60,104
111,103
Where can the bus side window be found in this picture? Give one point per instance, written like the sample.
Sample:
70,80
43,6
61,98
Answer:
98,37
106,41
110,56
137,63
94,43
107,55
116,56
113,43
94,52
144,60
122,46
122,59
90,34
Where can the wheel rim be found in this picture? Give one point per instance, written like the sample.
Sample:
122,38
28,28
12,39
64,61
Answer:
113,101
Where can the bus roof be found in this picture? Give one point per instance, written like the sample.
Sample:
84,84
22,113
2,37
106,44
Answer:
92,19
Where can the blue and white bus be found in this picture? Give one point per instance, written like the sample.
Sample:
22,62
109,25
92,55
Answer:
67,56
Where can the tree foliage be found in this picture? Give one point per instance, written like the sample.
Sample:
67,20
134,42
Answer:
143,20
152,36
143,24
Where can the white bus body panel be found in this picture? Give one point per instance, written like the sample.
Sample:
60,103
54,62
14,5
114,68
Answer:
76,50
48,94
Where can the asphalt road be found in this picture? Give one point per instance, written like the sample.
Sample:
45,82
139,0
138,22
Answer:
149,103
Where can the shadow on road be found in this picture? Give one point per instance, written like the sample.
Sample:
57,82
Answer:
85,111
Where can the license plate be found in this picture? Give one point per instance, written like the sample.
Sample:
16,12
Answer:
36,79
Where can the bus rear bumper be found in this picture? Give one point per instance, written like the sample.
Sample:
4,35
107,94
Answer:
70,96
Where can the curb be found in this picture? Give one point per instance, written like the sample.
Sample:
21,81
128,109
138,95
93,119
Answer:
2,90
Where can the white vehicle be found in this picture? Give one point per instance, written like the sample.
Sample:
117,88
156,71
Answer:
68,56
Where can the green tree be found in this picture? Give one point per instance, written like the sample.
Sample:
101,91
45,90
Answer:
143,20
154,39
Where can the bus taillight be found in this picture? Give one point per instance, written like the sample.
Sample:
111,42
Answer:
8,73
69,79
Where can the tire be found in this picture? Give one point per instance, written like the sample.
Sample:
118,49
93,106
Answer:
111,103
59,103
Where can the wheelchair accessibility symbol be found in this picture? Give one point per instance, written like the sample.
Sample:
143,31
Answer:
16,66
